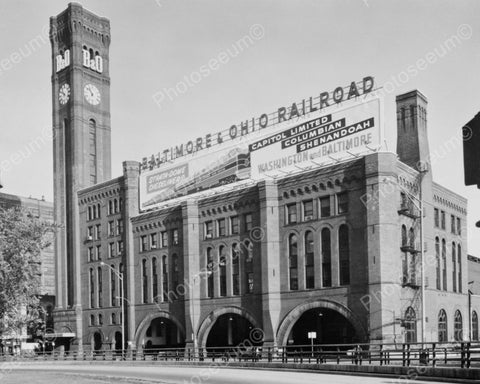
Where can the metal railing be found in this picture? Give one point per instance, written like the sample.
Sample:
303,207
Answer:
463,355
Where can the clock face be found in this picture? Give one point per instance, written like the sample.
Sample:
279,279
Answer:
92,94
64,94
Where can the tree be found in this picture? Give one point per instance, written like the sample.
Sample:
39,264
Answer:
22,238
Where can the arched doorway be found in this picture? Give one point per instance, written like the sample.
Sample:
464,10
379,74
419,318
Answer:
118,340
216,325
330,327
97,341
160,330
162,333
332,322
231,330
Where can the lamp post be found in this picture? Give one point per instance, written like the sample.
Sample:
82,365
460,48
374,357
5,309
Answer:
120,277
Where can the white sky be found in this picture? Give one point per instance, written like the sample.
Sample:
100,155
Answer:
308,47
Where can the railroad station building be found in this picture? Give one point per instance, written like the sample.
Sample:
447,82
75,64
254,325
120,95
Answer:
270,250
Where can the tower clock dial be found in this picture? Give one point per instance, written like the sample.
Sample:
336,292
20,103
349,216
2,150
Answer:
92,94
64,94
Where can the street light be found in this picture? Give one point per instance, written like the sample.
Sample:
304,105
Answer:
120,277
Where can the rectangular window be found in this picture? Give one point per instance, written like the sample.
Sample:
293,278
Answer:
436,217
143,243
90,233
459,226
164,239
222,229
111,250
97,232
100,288
111,229
308,210
208,230
325,206
291,213
248,222
119,226
175,237
342,203
113,286
90,254
443,219
99,253
452,224
120,248
153,241
235,227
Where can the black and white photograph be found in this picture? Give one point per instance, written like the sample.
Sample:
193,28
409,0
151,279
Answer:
239,191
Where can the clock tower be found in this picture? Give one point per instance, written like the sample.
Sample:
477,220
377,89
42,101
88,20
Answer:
80,43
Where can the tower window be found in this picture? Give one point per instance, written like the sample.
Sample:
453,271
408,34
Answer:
93,150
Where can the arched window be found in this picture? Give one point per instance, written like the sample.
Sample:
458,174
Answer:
175,274
442,327
437,259
110,207
344,254
115,206
92,125
326,258
89,215
235,269
92,320
98,211
113,287
94,211
165,277
458,326
155,280
92,288
114,319
210,267
293,261
474,326
459,259
454,267
248,252
100,293
444,264
410,326
144,282
222,270
309,264
404,236
100,319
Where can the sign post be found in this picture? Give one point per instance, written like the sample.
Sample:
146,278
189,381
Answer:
311,336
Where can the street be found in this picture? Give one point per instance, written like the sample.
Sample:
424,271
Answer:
89,374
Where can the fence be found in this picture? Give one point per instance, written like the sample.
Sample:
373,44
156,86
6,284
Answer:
464,355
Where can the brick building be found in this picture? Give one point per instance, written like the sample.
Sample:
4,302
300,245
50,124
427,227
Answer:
42,210
333,249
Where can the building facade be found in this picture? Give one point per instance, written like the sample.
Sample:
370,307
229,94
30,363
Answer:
333,249
41,210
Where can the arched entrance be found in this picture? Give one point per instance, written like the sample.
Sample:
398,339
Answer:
231,330
97,341
118,340
160,331
229,326
332,322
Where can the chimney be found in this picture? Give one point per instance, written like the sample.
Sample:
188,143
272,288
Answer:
412,140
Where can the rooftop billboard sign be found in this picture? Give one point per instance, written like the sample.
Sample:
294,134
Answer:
320,138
